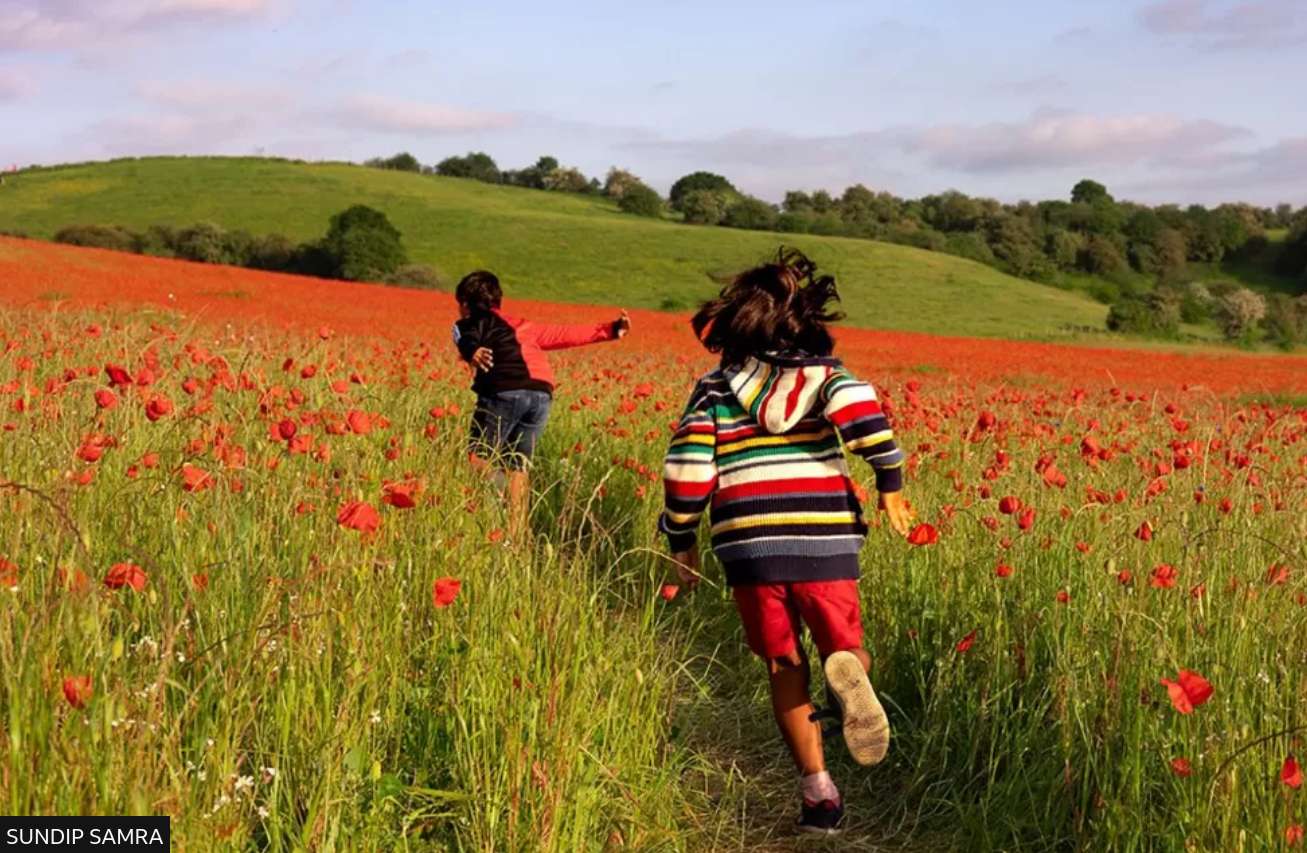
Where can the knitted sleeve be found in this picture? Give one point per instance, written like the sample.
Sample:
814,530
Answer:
689,472
852,408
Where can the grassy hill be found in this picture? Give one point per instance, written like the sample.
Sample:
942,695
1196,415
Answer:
543,245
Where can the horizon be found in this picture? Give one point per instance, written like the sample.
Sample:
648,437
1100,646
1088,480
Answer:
1150,98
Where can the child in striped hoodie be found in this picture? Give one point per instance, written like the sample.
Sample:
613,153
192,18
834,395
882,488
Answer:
761,445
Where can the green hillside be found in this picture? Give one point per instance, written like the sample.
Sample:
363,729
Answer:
544,245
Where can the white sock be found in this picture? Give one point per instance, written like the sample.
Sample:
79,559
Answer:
820,786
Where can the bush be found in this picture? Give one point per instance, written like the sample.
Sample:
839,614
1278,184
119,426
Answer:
1286,320
1238,314
112,237
922,237
704,207
969,245
566,180
363,245
1156,314
750,213
619,182
476,165
1195,303
275,252
420,276
640,200
698,182
158,241
401,162
1102,257
204,242
1063,248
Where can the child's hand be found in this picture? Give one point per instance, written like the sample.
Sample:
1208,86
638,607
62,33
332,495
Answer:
687,566
483,359
622,324
900,517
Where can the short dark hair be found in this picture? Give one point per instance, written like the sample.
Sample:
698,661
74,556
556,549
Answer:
779,306
479,291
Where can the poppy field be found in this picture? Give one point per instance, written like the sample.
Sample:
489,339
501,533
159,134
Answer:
248,579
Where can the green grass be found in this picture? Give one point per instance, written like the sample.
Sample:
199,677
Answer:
545,246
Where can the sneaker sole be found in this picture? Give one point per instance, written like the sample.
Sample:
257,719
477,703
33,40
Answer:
866,728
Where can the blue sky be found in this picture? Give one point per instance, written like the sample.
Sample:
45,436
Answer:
1163,100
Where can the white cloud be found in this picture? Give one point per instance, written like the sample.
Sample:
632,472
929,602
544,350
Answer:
207,96
14,84
384,114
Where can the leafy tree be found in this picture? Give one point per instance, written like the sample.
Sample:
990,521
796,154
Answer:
401,162
822,201
952,211
970,245
641,200
704,207
363,245
698,181
1286,320
566,180
797,201
1239,312
476,165
1156,314
619,181
204,242
273,252
1013,243
1089,192
1063,248
1102,257
751,213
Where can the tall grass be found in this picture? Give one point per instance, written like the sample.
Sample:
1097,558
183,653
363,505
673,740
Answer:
311,695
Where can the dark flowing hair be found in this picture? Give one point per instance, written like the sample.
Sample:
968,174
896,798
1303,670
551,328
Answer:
780,306
480,292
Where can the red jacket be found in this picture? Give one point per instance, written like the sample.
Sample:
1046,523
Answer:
519,348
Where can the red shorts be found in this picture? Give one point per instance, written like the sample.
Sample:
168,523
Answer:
771,613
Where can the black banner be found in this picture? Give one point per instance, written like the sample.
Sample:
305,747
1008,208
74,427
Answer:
85,834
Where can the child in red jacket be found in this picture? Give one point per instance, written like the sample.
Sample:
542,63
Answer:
513,381
762,442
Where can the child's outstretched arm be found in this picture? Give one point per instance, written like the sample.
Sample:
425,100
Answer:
852,408
689,480
551,337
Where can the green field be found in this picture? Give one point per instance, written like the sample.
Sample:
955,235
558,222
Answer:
546,246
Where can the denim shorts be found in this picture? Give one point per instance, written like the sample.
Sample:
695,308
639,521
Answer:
507,425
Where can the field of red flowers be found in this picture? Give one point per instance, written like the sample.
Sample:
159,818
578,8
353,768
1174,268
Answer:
248,580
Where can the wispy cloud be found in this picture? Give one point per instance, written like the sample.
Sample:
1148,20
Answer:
1246,24
380,113
62,25
189,96
14,84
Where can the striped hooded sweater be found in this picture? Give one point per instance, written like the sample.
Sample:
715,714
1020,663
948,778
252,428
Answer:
761,445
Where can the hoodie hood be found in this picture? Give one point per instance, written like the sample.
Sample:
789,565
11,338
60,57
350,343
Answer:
780,390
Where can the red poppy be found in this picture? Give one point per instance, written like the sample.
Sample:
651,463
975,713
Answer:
398,495
1144,533
1189,691
1291,773
117,375
357,515
195,479
125,574
78,690
158,407
1009,505
964,645
669,591
444,591
8,574
923,534
1293,835
1063,596
286,429
1124,577
359,422
1181,767
200,581
1026,520
495,536
1003,570
1164,576
105,399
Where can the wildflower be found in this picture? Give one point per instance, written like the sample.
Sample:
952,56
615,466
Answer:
78,690
444,591
923,534
357,515
1189,691
126,574
1291,773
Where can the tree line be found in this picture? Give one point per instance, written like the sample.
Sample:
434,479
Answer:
360,244
1137,258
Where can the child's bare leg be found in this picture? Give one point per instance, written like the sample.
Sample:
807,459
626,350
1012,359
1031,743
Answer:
519,491
792,706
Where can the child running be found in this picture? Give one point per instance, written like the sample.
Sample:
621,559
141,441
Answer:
513,381
760,441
